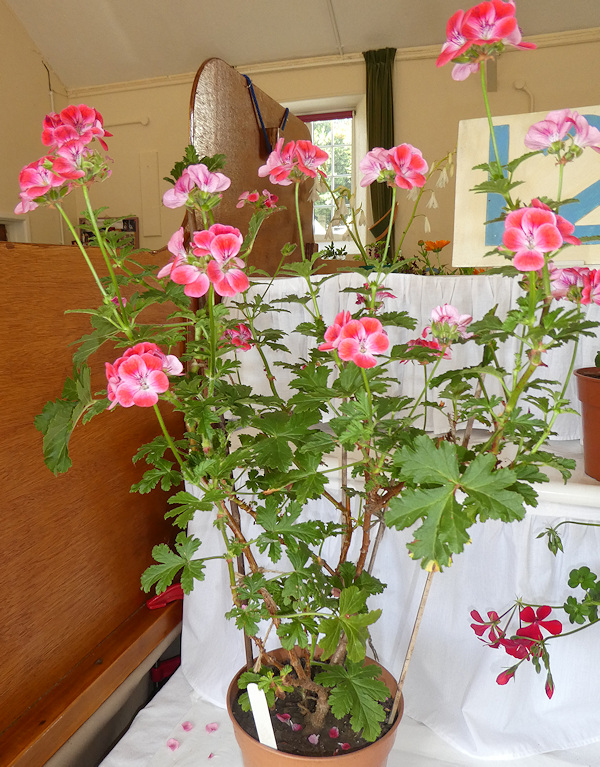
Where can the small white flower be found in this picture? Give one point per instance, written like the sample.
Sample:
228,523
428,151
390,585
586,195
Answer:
442,179
413,193
426,225
432,202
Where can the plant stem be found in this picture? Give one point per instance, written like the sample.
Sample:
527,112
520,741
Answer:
489,116
168,437
411,646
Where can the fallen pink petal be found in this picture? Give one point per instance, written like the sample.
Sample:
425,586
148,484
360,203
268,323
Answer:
334,733
173,744
314,739
296,727
344,746
187,726
212,727
283,717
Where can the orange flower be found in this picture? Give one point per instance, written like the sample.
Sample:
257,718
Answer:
435,247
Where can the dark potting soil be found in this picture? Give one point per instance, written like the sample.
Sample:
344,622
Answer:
296,742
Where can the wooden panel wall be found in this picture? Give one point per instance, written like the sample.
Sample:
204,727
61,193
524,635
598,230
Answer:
72,547
223,120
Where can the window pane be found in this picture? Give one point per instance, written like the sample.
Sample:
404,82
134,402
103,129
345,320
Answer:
335,138
342,131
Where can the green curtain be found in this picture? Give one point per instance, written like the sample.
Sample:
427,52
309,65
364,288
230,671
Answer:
380,125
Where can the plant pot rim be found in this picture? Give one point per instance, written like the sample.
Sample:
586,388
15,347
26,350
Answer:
591,372
268,752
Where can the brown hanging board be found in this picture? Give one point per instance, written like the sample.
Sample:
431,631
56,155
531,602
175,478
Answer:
224,120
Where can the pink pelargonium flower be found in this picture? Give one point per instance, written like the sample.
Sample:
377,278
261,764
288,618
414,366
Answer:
137,380
489,22
566,228
332,334
543,134
239,336
456,40
170,363
478,34
222,243
537,621
182,271
360,340
193,180
81,124
447,324
585,134
245,197
567,283
280,163
408,165
531,233
591,287
374,165
309,157
37,180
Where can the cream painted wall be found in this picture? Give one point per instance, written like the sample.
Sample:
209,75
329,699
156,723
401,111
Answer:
26,99
150,130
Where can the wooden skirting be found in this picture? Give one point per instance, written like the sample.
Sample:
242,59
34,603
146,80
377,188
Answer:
51,721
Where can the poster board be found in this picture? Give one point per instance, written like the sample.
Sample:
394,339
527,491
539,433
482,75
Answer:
581,180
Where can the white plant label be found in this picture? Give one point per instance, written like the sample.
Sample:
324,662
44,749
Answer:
262,718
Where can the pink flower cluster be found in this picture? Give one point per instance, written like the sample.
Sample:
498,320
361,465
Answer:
448,325
195,184
264,200
472,36
527,643
558,126
140,375
575,283
213,259
402,166
356,340
531,233
293,162
68,135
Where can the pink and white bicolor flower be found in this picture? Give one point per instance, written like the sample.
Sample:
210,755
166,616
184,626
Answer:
224,270
332,334
181,271
140,375
195,178
360,340
531,233
447,324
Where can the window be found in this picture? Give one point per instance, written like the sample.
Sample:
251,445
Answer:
332,132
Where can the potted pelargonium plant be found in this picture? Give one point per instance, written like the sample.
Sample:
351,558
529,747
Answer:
256,460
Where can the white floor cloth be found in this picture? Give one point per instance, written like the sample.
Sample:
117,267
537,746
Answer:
145,744
451,685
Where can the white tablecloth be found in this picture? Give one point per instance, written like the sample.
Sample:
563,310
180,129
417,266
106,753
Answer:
474,295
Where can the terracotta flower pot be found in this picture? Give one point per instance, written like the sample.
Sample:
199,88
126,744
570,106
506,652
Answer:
588,389
254,754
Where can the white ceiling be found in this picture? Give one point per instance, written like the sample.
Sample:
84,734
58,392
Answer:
95,42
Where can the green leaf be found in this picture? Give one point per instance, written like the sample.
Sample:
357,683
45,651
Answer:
356,691
59,418
352,621
170,563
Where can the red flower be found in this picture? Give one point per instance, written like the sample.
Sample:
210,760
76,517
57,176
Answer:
507,675
537,623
